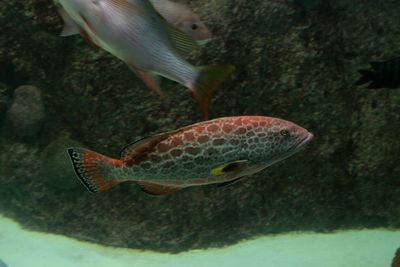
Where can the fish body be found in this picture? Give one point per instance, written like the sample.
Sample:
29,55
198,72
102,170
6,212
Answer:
2,264
385,74
183,18
211,152
135,33
177,14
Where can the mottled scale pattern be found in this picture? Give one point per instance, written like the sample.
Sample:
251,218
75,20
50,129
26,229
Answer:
187,156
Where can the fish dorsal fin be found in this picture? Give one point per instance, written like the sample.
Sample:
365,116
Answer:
132,145
156,189
230,167
183,44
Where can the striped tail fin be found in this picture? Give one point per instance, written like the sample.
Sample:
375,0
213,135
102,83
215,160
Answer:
92,169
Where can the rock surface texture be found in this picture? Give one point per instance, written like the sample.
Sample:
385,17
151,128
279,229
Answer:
295,60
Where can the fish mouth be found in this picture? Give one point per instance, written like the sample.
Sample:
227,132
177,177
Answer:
302,143
296,148
306,140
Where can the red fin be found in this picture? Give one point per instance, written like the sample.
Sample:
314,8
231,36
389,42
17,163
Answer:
91,169
150,80
209,79
157,190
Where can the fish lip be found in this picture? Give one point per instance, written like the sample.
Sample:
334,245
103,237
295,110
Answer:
303,142
306,140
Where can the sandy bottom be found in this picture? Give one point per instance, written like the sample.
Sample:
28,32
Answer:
365,248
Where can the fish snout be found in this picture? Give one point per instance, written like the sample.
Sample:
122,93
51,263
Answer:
306,138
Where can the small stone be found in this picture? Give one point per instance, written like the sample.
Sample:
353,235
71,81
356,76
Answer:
26,114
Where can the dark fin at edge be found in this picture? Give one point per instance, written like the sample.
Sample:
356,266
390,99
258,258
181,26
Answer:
366,77
157,190
86,164
230,182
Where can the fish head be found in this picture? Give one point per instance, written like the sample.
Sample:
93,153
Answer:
258,143
192,25
281,139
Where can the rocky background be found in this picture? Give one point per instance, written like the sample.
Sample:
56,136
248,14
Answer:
295,59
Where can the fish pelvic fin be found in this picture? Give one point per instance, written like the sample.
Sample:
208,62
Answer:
152,81
92,169
209,79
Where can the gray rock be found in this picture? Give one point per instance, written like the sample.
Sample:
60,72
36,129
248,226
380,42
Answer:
26,114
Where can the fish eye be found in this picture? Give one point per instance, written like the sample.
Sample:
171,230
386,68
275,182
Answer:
194,26
284,132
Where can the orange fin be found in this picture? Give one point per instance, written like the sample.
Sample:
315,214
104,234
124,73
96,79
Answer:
92,169
150,80
157,190
209,79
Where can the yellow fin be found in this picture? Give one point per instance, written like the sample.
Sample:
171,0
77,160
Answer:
229,167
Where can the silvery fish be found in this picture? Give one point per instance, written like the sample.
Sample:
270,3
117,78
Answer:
177,14
184,19
134,32
219,151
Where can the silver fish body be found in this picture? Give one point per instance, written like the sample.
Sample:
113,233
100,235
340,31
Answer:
135,33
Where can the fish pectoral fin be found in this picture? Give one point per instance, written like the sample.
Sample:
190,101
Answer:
70,27
230,182
230,167
182,42
156,189
152,81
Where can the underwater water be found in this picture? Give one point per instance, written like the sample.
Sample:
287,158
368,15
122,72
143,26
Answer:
199,133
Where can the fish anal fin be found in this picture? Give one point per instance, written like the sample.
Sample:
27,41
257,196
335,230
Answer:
156,189
152,81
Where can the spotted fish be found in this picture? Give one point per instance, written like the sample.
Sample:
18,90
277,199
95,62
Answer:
218,151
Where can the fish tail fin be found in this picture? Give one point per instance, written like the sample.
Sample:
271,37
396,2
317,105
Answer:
207,82
92,169
366,77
